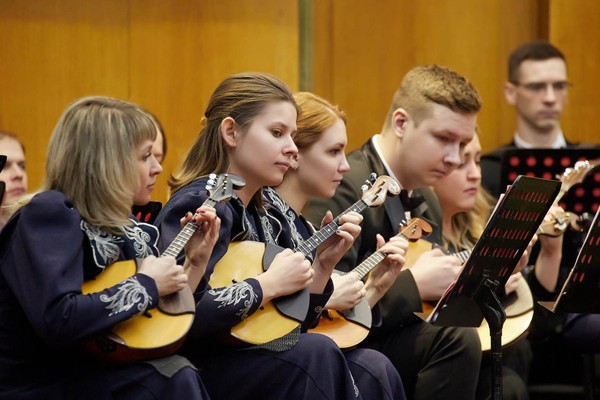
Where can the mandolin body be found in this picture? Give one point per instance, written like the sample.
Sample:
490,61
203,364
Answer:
275,319
157,333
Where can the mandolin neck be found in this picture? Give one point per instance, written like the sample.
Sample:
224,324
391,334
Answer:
372,261
309,245
184,236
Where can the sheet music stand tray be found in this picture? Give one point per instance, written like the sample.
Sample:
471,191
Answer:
550,163
581,292
506,236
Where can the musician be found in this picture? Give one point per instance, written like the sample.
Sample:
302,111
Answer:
317,171
99,163
538,88
248,131
13,174
431,119
466,208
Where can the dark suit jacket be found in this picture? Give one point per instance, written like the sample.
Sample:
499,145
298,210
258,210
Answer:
402,300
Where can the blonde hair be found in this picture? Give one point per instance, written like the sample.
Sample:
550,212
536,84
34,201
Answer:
468,226
425,85
92,158
242,97
317,115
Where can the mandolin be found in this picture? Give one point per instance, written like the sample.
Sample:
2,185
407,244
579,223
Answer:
157,332
558,224
574,175
348,328
518,305
247,259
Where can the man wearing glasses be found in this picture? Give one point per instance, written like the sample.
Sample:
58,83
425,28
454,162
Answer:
538,89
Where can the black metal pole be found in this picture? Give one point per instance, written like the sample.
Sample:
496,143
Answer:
494,314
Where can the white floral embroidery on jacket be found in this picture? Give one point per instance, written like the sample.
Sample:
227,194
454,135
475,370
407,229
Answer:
129,294
240,292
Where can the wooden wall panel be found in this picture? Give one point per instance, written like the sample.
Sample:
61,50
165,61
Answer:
181,50
370,49
574,29
373,47
475,40
52,53
166,56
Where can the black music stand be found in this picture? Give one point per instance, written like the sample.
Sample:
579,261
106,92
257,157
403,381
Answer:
473,296
581,291
551,163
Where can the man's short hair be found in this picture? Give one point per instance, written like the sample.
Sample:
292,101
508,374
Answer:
538,50
424,85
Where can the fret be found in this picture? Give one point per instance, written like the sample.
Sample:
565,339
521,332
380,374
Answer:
310,244
181,240
210,202
372,261
367,265
220,189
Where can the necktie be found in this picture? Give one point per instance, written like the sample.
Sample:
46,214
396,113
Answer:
410,203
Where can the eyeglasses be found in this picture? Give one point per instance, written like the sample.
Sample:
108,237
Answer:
2,163
542,87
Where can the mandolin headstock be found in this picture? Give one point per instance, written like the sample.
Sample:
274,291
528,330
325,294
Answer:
376,190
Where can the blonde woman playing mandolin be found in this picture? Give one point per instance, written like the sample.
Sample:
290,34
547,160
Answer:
99,164
466,208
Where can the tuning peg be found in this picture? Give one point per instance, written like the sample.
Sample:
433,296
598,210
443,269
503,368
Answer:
212,179
582,223
369,181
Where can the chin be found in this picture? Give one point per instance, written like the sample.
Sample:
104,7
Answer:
328,194
141,201
467,206
547,126
430,181
274,181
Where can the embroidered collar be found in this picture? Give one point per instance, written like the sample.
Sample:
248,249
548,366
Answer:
138,241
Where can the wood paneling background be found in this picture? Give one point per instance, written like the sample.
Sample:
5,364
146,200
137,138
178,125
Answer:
169,55
574,29
367,51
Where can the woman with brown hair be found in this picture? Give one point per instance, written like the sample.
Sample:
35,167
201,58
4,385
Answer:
249,126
